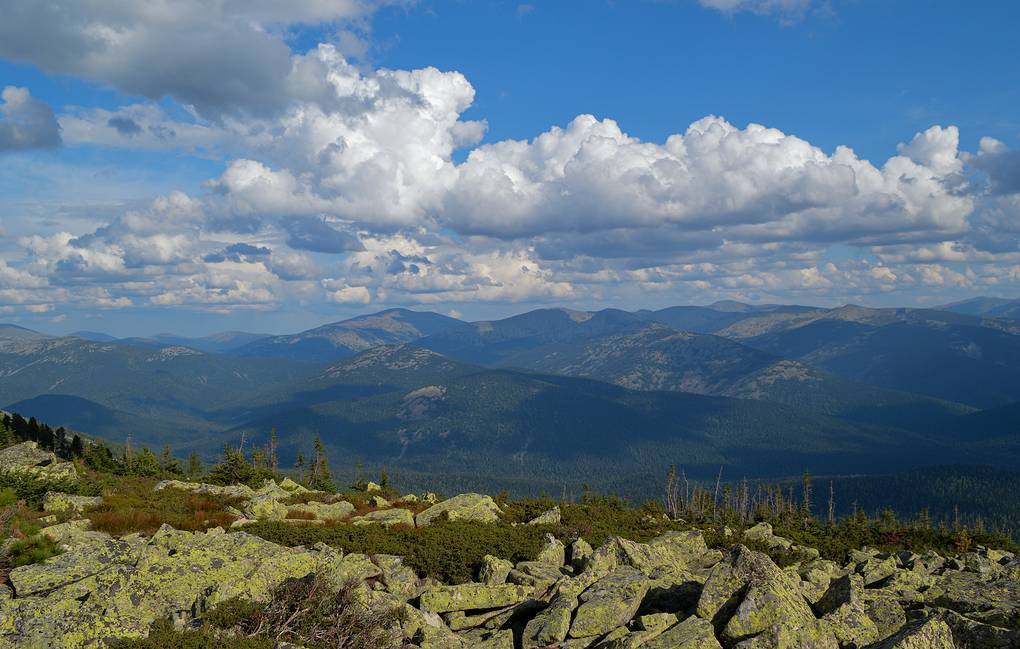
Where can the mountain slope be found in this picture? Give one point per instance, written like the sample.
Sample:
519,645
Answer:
989,307
717,316
176,387
515,424
344,339
621,348
965,362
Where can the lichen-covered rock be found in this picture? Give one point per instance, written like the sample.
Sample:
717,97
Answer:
232,491
61,503
553,552
610,602
550,625
398,578
746,595
494,570
465,507
386,518
548,517
323,511
931,633
466,597
692,633
843,612
995,602
536,574
875,569
579,551
27,459
884,611
86,559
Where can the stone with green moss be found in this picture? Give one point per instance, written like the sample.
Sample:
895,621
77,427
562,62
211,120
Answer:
747,595
465,507
930,633
60,503
548,517
398,578
466,597
27,459
610,602
692,633
494,570
323,511
386,518
551,625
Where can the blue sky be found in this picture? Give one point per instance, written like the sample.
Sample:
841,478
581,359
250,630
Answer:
245,165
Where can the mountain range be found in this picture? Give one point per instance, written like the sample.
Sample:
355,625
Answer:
765,390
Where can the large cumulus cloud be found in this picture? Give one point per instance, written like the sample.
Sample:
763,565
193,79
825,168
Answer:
347,190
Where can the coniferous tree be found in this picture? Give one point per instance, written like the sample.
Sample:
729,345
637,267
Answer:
320,477
168,464
194,465
145,463
46,438
77,448
274,458
61,446
32,430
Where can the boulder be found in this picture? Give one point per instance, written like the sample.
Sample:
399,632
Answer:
467,597
843,612
398,578
27,459
386,518
322,511
465,507
610,602
549,517
746,596
61,503
579,552
553,552
692,633
930,633
551,625
494,570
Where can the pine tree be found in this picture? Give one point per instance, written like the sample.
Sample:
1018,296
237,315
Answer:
168,464
60,444
320,477
274,458
194,465
77,447
145,464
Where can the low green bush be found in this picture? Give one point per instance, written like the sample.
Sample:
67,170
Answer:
30,550
163,635
450,551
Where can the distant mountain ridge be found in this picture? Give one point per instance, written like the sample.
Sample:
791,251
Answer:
348,337
766,388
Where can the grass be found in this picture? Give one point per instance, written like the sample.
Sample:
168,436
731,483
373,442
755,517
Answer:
130,505
304,611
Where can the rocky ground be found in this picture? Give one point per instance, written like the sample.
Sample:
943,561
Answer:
671,592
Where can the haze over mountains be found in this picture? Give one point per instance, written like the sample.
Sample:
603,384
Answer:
554,394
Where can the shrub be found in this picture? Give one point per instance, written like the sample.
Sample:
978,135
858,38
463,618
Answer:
131,505
304,611
450,551
30,550
163,635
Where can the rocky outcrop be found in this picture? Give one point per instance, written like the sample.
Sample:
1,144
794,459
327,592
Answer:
56,502
28,460
465,507
668,593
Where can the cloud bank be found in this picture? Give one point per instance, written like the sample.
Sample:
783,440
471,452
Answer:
343,187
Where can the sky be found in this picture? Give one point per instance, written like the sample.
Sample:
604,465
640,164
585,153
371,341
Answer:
203,165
